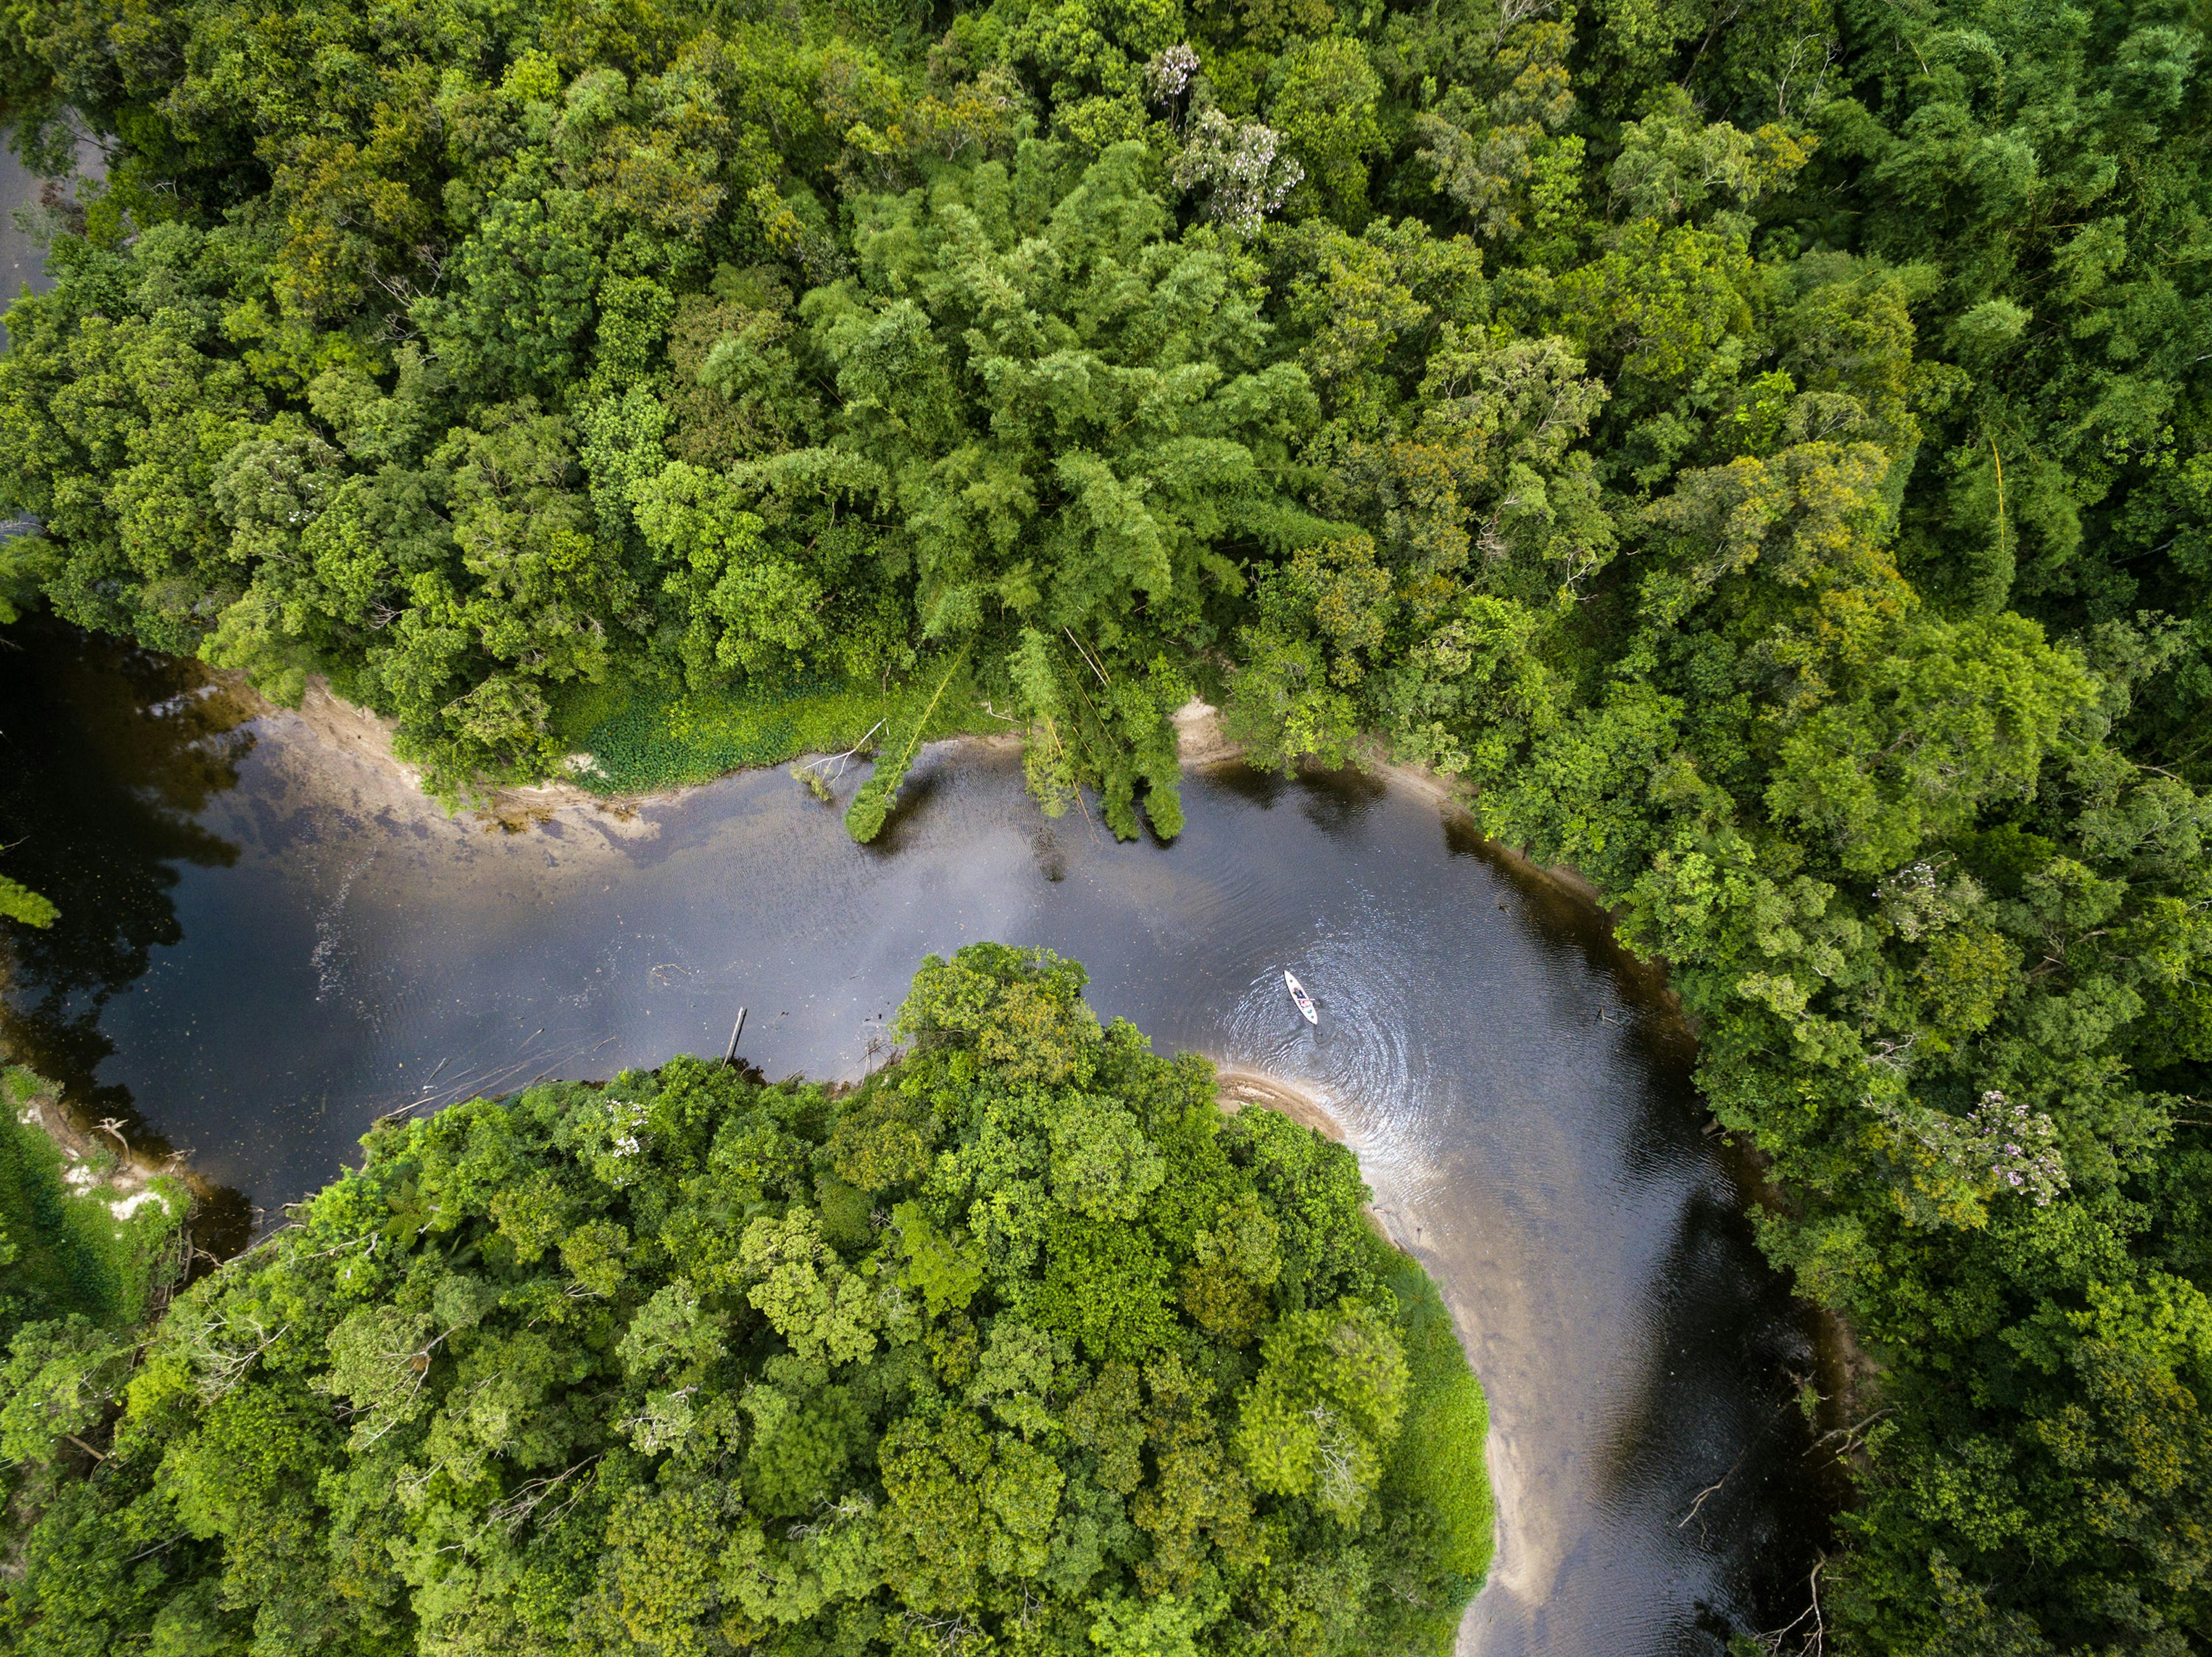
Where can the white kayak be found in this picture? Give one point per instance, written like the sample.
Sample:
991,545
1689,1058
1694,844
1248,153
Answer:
1299,994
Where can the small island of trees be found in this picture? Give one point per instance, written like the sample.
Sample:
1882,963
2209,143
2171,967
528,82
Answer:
1021,1345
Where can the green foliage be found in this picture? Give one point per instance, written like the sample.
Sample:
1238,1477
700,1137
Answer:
642,736
81,1265
1438,1462
1326,109
626,1368
1762,447
530,371
18,902
871,805
70,1243
60,1376
1326,1405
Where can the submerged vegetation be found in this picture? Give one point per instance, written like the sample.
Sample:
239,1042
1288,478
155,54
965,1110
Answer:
1020,1346
1764,447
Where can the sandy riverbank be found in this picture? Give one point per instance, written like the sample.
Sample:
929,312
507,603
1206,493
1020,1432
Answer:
366,738
1238,1089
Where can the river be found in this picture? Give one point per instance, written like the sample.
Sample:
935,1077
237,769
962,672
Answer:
266,943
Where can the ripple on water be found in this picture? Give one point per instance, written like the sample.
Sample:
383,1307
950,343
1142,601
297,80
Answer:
1355,1059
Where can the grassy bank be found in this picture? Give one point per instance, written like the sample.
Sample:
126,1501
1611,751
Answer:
642,736
1438,1464
80,1231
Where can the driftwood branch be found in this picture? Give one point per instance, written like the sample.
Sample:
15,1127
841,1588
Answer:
818,773
1815,1642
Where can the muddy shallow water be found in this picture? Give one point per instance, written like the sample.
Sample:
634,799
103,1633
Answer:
266,944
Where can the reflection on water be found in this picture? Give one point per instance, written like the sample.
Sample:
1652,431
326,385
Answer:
107,762
109,756
320,947
21,262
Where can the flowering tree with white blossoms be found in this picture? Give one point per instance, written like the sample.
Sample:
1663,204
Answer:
1950,1165
1170,74
1238,165
2021,1146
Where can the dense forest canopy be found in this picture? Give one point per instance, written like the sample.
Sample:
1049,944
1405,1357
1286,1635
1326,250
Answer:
1763,445
1020,1347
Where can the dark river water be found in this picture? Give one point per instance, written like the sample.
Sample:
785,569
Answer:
267,942
21,262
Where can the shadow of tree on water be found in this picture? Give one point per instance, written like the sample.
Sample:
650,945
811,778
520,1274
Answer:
108,755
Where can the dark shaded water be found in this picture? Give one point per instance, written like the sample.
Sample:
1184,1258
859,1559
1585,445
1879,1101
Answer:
266,944
21,261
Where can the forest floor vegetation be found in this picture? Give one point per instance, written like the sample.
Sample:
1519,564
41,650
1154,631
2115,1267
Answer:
85,1225
630,738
